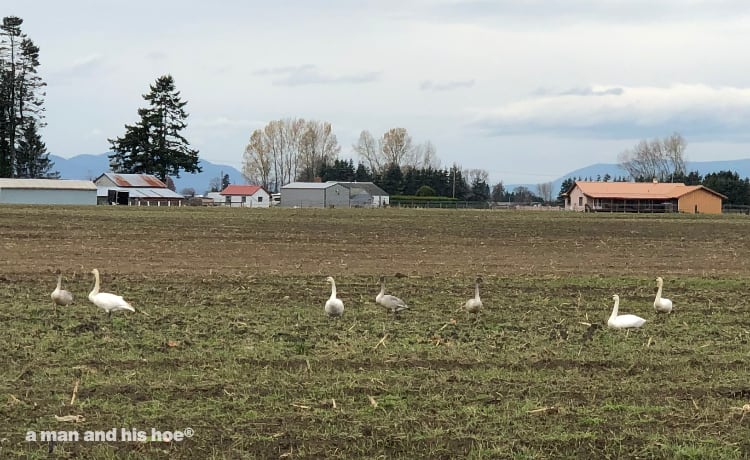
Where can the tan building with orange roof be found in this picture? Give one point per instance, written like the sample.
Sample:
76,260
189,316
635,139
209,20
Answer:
642,197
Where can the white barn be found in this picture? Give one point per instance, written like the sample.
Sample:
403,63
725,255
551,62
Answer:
47,191
246,196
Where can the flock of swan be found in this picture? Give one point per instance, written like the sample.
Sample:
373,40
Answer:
334,307
104,300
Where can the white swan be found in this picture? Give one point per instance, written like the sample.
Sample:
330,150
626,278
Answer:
334,306
623,321
106,301
661,305
475,304
390,302
61,296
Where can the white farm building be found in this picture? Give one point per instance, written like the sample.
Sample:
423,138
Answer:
246,196
47,191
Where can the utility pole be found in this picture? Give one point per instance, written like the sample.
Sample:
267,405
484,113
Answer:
454,181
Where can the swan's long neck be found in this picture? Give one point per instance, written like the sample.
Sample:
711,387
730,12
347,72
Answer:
333,289
476,291
616,309
658,291
59,282
95,291
382,290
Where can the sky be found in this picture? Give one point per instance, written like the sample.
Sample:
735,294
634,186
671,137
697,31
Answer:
527,90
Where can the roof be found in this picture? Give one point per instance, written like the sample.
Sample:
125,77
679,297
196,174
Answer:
368,187
310,185
240,190
48,184
134,180
638,190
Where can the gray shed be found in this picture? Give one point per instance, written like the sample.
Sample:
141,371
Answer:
47,191
314,195
366,194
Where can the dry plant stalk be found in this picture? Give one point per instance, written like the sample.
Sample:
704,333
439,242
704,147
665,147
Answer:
382,342
70,418
542,410
75,393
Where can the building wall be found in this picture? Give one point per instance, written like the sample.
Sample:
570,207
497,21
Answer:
260,199
302,198
379,201
48,196
104,181
337,196
577,201
703,201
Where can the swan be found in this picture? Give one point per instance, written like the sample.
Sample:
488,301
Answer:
623,321
661,305
61,296
475,304
106,301
334,306
390,302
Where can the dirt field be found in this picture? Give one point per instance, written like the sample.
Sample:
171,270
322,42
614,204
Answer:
230,340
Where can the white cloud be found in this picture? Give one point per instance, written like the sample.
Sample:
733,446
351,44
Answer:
696,111
429,85
309,74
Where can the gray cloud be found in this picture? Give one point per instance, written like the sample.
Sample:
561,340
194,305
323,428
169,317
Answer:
576,11
81,68
309,74
697,111
429,85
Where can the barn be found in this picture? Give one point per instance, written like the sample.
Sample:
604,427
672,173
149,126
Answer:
365,194
246,196
642,197
314,195
47,191
136,190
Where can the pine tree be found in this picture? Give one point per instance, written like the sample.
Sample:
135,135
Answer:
154,145
32,159
21,95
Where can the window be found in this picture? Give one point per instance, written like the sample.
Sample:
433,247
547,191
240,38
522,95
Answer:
260,199
242,200
580,201
228,200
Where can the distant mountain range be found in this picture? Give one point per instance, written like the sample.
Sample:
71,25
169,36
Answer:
89,167
741,167
92,166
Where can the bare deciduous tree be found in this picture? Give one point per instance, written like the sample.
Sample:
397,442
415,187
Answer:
397,148
367,149
659,159
317,145
545,191
288,149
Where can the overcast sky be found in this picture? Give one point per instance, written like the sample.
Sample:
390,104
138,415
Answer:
528,90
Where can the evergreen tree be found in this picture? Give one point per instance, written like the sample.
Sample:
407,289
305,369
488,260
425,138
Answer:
32,159
498,192
480,191
362,174
392,181
728,183
154,144
21,94
564,187
225,182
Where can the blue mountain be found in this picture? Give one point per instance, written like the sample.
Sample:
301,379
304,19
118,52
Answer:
89,167
741,167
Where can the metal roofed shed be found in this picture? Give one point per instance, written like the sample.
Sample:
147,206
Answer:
314,195
140,189
47,191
